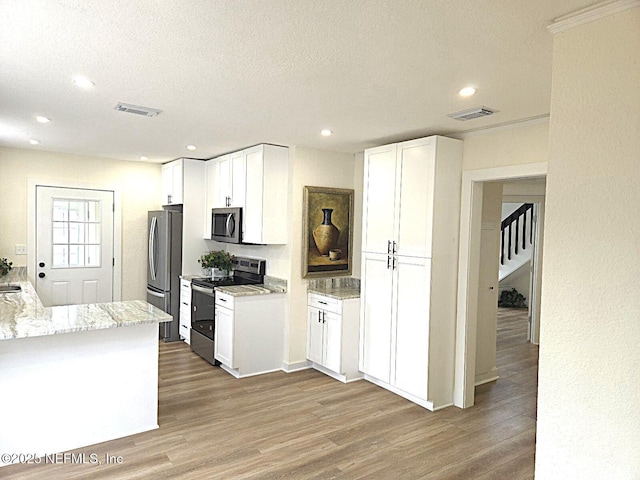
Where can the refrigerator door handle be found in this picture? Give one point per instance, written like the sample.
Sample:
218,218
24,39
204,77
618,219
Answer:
152,247
155,294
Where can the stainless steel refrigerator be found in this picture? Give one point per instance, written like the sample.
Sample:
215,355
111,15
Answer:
164,268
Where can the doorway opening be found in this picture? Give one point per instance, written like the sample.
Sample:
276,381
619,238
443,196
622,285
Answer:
471,285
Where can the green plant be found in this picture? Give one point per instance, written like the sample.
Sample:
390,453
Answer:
5,266
216,259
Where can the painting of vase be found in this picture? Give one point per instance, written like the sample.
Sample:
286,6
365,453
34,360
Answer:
328,226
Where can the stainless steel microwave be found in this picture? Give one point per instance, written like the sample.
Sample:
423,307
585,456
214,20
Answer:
226,225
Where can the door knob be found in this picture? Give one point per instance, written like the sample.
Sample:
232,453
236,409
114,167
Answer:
41,275
41,264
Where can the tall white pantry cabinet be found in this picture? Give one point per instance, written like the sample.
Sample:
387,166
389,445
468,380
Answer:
411,213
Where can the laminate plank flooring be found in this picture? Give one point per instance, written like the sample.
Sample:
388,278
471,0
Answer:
305,425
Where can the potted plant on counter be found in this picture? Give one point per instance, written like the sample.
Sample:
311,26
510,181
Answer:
218,261
5,266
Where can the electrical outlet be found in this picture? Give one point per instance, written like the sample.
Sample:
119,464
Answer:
21,249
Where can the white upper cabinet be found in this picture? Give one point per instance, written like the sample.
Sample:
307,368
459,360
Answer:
265,208
398,198
231,181
172,183
257,180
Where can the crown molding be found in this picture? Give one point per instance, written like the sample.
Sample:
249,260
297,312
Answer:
589,14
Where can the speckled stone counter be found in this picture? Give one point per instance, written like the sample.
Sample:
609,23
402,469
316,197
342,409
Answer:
338,288
23,315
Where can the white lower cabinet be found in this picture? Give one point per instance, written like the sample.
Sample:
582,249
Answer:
249,333
185,310
332,336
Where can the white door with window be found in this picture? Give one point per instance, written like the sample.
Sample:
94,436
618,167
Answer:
74,247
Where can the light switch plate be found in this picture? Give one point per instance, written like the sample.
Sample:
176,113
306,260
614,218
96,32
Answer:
21,249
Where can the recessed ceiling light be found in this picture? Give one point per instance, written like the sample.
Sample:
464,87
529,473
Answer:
83,82
467,91
42,119
33,141
143,158
191,147
326,132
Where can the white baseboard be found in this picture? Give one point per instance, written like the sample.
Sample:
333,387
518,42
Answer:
490,376
295,367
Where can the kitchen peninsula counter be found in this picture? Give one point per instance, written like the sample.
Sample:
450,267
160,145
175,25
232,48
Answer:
90,370
23,315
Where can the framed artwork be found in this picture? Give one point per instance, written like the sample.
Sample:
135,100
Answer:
327,232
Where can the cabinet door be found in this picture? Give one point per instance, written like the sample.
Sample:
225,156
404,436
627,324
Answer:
224,337
211,193
375,317
379,190
412,279
224,181
314,335
417,170
238,179
332,341
253,196
172,183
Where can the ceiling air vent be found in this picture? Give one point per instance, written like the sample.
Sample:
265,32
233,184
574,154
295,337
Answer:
472,113
138,110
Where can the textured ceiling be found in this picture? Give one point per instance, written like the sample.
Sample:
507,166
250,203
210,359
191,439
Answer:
232,73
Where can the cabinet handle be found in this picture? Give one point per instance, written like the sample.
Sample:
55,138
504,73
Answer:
395,247
168,198
388,246
388,262
324,315
223,299
319,312
320,301
395,263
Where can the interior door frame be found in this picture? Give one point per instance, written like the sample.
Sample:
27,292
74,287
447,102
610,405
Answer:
32,184
468,270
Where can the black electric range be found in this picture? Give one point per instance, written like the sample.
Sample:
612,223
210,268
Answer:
246,271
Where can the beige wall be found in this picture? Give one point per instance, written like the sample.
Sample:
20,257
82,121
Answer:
137,182
500,147
589,388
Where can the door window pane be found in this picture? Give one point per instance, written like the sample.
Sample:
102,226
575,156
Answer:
77,233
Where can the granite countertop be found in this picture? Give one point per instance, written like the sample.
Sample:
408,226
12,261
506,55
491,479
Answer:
338,288
23,315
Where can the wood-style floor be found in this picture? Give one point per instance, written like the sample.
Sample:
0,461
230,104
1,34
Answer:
306,425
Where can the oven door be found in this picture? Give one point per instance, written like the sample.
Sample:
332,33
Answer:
202,322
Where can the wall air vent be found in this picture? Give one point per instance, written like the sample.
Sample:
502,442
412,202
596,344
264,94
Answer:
138,110
472,113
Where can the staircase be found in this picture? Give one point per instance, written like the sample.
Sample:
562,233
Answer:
516,241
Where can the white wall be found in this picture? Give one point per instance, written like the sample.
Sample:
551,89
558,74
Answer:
589,387
138,183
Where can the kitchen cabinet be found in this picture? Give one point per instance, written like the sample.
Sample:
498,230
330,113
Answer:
185,310
332,336
255,179
228,188
411,202
265,212
172,183
249,333
183,182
